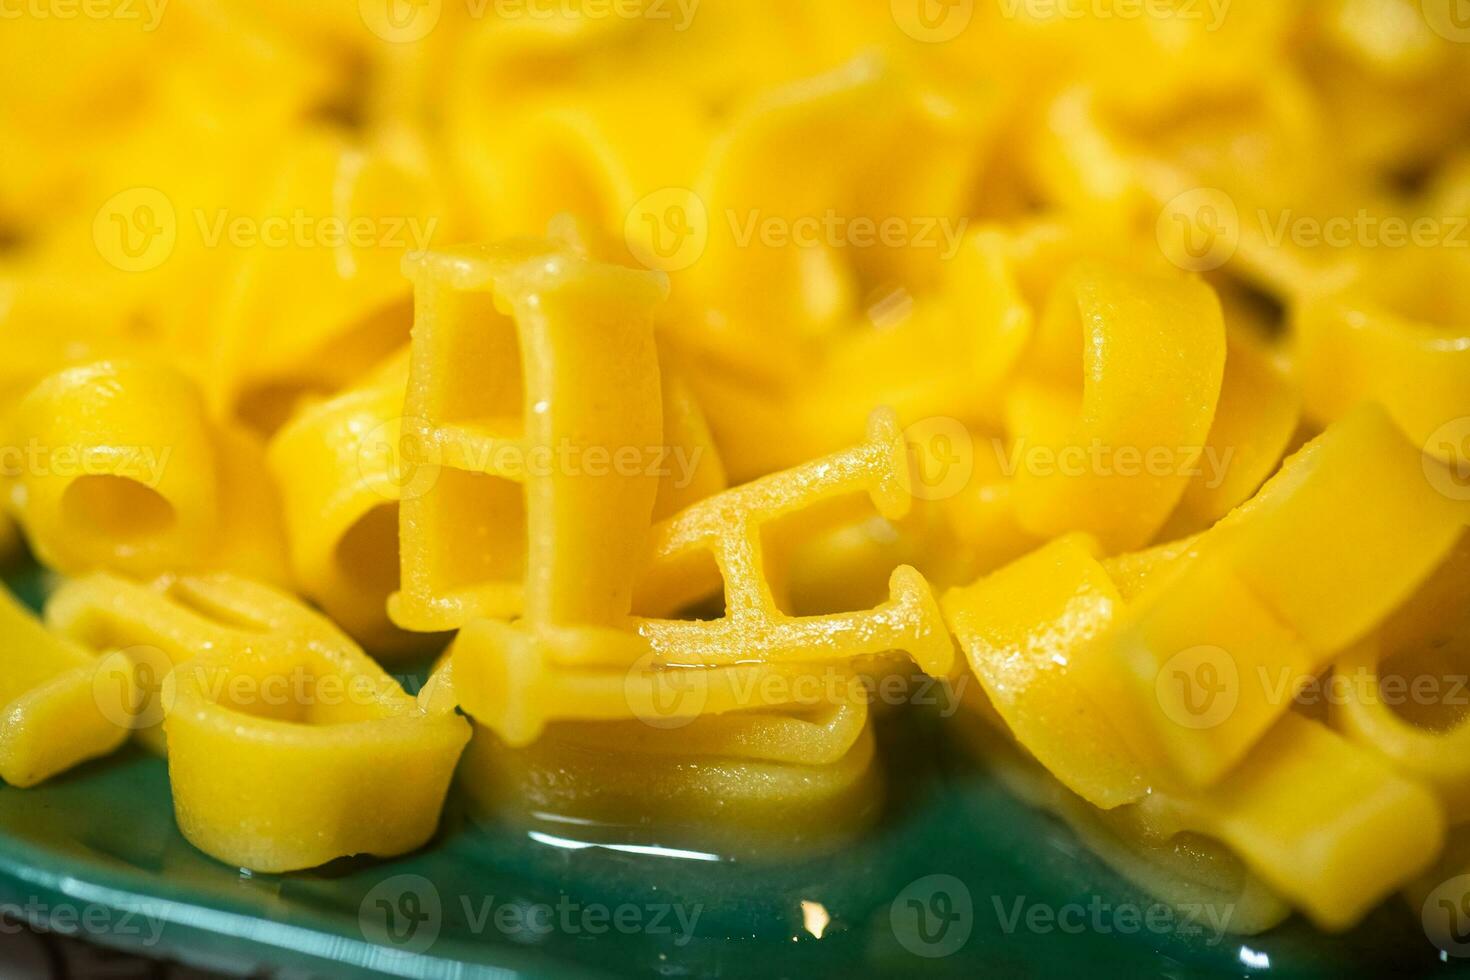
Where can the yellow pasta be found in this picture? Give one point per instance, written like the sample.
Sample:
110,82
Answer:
1391,340
280,731
340,217
678,375
341,477
123,469
1038,666
728,526
498,456
515,681
1401,690
1140,344
1274,590
62,705
709,796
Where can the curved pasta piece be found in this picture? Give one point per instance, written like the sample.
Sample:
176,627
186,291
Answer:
337,218
288,747
931,358
1214,648
803,285
1257,417
1025,630
1302,802
692,468
1191,872
34,354
1401,692
1440,759
337,464
61,705
1288,541
1291,808
952,353
1119,446
1216,188
606,152
339,469
125,471
1353,348
534,382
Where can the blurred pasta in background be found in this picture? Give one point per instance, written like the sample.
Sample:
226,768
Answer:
690,368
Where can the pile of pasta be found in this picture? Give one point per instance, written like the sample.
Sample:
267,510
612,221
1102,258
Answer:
687,375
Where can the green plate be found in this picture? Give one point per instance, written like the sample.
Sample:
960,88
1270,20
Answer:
955,878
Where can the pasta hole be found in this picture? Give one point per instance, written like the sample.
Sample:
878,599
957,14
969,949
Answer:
266,407
833,558
699,572
1429,687
115,507
1424,675
368,553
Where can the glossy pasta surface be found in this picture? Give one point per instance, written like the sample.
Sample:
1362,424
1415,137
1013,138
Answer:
668,393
